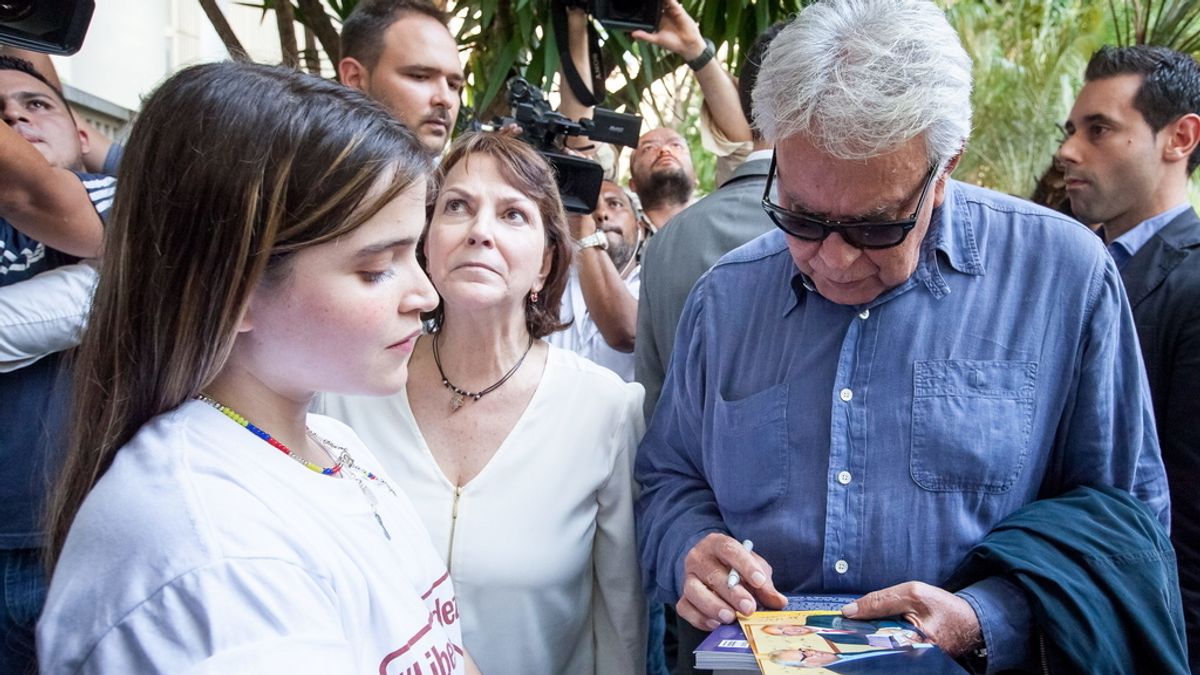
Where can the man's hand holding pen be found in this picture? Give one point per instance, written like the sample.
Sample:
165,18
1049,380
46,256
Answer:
709,599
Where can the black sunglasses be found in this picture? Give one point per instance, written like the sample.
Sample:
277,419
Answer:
863,234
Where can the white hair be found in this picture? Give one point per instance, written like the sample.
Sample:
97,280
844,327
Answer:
859,78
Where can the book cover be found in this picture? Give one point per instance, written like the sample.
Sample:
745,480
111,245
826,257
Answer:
727,648
790,642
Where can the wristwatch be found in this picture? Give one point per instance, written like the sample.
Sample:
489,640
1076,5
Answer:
597,239
705,56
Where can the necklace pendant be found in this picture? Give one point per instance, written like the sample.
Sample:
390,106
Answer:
385,532
456,402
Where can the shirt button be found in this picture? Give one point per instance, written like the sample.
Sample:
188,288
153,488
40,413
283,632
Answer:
843,477
841,566
864,314
846,394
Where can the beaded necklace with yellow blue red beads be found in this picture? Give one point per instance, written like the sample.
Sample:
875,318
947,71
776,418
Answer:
343,459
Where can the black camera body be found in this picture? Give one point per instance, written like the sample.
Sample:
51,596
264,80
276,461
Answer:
578,178
50,26
622,15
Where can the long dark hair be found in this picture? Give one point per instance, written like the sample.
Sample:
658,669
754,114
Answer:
230,169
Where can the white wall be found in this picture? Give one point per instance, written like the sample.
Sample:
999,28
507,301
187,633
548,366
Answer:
132,45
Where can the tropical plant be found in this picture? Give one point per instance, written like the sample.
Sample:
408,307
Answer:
504,38
512,37
1028,60
1167,23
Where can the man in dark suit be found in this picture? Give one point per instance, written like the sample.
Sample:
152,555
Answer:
676,257
1130,147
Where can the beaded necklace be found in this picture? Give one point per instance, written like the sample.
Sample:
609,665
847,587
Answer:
274,442
342,460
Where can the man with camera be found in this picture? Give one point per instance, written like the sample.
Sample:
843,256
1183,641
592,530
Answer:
661,172
401,53
661,166
49,218
904,343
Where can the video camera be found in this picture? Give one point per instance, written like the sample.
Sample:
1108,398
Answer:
622,14
50,26
578,178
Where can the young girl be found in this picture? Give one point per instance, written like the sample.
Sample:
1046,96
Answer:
261,248
517,454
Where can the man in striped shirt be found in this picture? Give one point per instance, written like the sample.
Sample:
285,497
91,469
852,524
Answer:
50,219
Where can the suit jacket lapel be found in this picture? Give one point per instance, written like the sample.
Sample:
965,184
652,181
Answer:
1163,253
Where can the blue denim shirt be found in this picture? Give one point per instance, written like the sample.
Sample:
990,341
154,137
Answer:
865,446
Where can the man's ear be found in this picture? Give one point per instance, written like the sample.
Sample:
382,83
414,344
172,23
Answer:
939,190
1182,136
353,74
953,163
85,142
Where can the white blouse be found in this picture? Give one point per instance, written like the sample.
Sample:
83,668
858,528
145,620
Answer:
540,544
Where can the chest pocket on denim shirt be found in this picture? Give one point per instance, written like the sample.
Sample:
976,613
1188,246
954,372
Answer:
748,464
970,423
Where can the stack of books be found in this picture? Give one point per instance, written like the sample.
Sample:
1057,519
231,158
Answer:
813,636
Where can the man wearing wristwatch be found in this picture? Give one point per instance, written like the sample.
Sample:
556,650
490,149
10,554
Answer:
601,296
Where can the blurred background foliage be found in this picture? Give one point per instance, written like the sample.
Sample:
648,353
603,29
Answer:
1029,60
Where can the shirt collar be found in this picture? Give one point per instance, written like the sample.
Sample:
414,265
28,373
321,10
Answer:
1133,240
952,232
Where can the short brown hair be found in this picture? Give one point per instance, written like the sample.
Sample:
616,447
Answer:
523,168
21,65
362,32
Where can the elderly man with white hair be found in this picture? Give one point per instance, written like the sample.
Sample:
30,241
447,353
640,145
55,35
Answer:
868,390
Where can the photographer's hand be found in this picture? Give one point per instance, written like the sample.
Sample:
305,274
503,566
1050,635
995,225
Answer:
677,33
569,105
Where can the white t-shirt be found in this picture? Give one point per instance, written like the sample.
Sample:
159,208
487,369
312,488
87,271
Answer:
583,336
542,546
205,550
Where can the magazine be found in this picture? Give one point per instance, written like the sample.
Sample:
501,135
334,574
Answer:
727,648
788,643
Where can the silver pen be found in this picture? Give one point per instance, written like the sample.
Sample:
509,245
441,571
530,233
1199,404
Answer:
734,578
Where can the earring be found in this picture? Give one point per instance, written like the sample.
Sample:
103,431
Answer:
533,297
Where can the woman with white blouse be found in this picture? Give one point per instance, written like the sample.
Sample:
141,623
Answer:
517,455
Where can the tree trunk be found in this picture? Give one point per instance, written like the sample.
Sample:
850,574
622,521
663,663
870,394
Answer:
286,19
312,57
318,21
234,46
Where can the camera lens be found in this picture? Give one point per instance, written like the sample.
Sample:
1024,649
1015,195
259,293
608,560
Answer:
15,10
